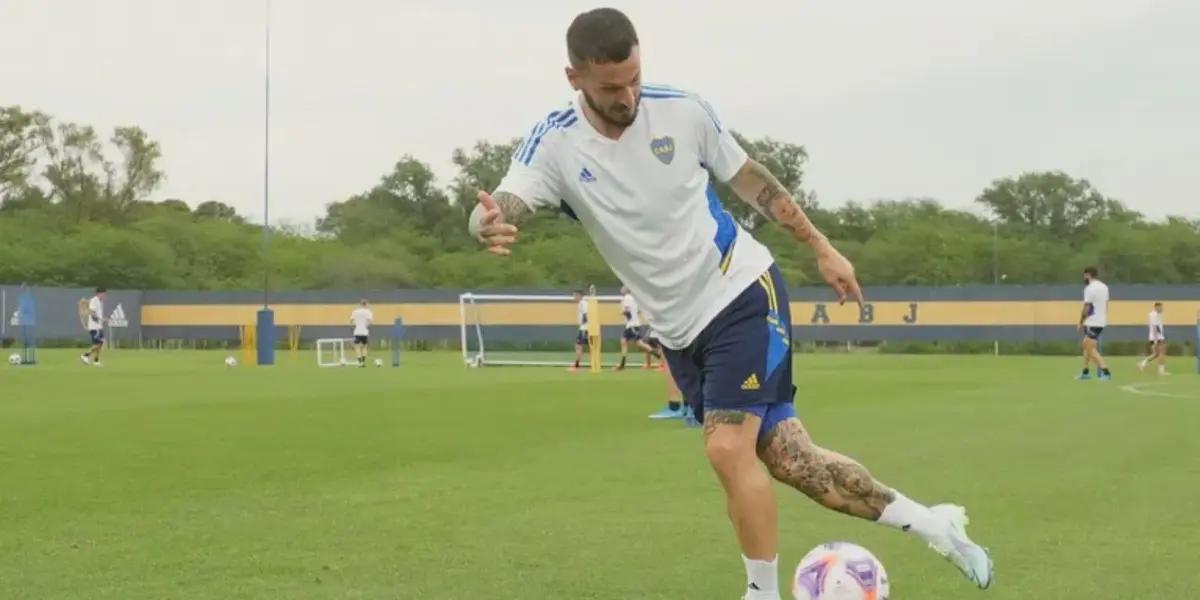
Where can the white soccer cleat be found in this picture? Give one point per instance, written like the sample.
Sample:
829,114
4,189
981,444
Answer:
87,360
970,558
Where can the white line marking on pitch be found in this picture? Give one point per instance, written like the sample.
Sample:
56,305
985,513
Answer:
1136,388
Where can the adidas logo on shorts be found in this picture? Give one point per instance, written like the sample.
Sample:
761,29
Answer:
751,382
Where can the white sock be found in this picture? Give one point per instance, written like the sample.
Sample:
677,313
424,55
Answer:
914,517
1162,369
762,578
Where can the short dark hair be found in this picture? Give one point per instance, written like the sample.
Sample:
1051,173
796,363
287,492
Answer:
100,290
1093,271
601,35
1158,303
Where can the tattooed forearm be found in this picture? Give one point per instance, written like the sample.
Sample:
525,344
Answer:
835,481
755,184
722,417
771,190
512,207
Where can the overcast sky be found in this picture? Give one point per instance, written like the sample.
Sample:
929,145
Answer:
931,98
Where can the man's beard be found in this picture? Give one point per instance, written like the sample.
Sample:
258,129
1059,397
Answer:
618,121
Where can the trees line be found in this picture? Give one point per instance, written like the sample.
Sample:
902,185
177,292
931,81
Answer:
76,209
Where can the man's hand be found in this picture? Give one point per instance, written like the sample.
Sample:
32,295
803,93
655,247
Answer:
838,273
491,230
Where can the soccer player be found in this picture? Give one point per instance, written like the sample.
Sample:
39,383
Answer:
581,338
676,407
1157,345
362,317
634,163
633,329
1092,320
95,325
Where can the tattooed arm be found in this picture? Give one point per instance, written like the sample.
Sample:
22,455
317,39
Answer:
755,185
494,220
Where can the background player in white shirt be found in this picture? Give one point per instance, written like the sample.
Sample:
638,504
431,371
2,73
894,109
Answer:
581,335
95,325
362,317
1092,321
634,164
634,331
1157,344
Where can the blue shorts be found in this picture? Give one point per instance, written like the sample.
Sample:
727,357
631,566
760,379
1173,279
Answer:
743,359
581,338
1093,332
632,334
97,336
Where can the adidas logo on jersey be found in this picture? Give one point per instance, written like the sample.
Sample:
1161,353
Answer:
586,176
751,382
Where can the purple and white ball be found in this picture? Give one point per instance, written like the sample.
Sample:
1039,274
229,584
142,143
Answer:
840,571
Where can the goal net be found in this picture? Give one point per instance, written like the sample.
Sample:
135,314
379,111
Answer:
536,330
331,352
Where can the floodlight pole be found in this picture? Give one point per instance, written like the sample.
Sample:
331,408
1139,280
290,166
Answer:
995,271
995,253
265,323
266,229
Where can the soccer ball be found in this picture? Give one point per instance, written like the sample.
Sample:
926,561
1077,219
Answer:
14,359
230,361
379,362
840,571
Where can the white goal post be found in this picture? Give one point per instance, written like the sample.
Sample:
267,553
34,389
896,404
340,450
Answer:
331,352
478,313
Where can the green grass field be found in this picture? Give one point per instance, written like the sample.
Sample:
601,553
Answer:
167,475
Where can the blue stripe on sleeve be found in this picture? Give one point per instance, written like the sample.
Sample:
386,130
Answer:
556,120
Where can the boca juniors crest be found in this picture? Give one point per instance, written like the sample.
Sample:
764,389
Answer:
663,149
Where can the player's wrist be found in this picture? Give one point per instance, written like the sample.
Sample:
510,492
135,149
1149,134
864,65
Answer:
820,244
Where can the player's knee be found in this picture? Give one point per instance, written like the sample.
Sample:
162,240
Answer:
728,448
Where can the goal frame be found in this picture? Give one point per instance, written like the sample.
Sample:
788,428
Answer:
469,327
338,349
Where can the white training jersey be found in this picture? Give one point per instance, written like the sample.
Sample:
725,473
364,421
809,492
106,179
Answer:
1157,332
648,203
95,314
1096,297
629,309
583,316
362,317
